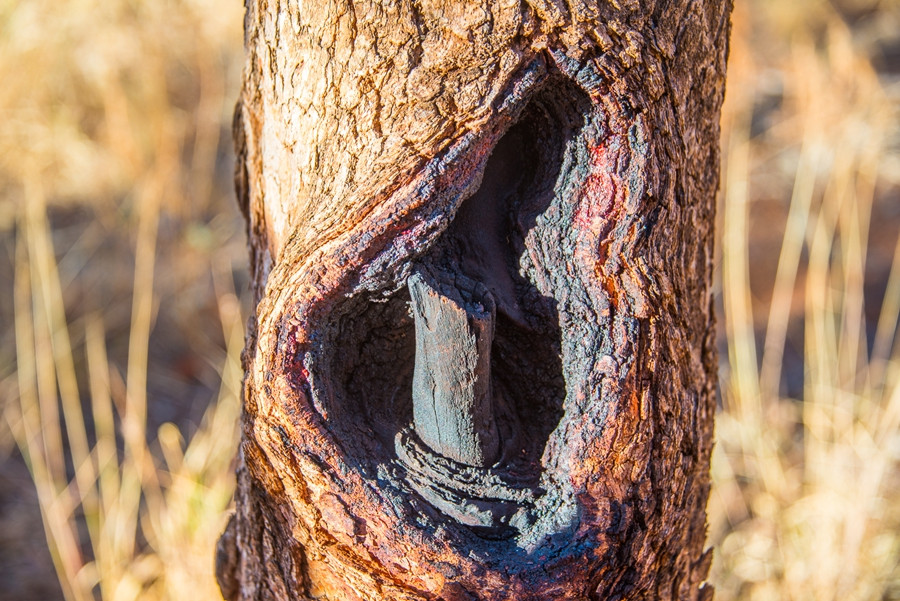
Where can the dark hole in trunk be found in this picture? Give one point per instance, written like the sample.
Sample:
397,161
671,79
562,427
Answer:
373,355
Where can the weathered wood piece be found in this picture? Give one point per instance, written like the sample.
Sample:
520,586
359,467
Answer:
453,406
400,163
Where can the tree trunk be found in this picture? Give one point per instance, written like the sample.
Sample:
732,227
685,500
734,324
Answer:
482,364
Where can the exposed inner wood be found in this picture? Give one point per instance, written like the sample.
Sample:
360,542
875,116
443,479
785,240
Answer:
496,502
453,406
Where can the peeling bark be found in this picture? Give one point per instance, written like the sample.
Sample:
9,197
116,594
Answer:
550,166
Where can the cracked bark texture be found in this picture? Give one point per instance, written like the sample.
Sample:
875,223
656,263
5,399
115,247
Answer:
362,131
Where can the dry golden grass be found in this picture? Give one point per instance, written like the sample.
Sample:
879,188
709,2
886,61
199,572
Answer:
151,525
110,162
116,209
805,493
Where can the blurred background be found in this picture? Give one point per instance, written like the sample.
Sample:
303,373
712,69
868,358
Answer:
122,318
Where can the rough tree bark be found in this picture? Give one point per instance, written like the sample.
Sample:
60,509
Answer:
482,363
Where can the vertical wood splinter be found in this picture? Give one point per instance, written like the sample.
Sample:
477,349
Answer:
452,394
